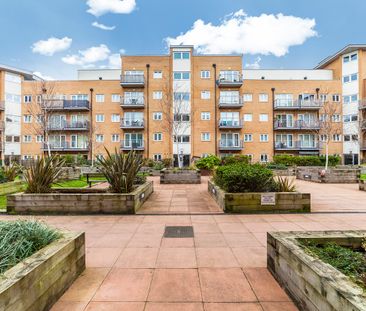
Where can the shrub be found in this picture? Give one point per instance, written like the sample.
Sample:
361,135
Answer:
208,163
241,177
158,165
148,162
43,173
22,238
2,176
11,171
81,160
69,159
274,166
120,170
284,184
141,178
237,158
332,160
289,160
168,162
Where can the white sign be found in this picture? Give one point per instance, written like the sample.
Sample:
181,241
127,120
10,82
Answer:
268,199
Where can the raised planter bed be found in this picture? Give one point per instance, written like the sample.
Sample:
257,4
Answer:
336,175
362,185
83,202
311,283
40,280
180,176
250,203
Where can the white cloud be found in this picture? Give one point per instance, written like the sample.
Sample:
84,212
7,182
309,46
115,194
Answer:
44,77
115,59
100,7
240,33
102,26
51,45
89,56
255,64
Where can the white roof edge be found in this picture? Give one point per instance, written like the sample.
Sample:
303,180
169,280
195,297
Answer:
22,72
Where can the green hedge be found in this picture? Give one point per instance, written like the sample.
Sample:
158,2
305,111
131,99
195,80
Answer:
237,158
208,163
241,177
289,160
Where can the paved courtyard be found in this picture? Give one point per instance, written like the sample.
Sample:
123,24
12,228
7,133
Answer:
132,267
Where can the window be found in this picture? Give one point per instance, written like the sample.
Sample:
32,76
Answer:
205,74
250,157
323,138
248,137
27,118
347,137
157,95
336,98
116,98
99,118
99,138
205,116
248,117
353,57
158,136
27,138
263,98
205,136
181,75
354,77
323,97
354,137
27,98
27,157
336,137
182,96
346,79
181,55
115,138
39,118
336,118
182,117
157,116
248,97
16,139
39,138
350,118
263,117
264,158
182,138
350,78
115,118
99,98
345,59
263,137
158,74
205,95
350,99
158,157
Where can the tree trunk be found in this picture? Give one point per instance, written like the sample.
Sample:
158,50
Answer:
326,155
180,161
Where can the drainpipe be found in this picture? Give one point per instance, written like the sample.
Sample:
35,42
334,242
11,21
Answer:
91,126
317,92
215,112
273,123
147,110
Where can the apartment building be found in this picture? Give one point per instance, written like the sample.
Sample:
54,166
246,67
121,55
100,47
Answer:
190,105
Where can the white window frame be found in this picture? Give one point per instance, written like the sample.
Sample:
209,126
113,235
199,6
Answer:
248,138
25,139
263,97
99,98
205,74
158,136
157,157
205,95
99,115
158,74
205,116
263,138
99,138
115,138
27,118
158,95
247,97
248,117
116,98
265,116
205,136
117,118
157,116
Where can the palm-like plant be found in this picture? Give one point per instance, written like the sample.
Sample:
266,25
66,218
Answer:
285,184
43,173
11,171
120,170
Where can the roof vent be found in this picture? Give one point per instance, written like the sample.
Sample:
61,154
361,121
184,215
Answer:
263,78
100,78
305,78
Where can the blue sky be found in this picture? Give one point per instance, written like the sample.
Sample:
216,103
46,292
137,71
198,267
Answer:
307,31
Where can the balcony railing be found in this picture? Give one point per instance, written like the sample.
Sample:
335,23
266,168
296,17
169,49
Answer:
230,124
230,102
297,104
63,104
228,144
132,144
297,125
69,126
2,105
66,146
297,145
128,102
230,79
132,80
127,123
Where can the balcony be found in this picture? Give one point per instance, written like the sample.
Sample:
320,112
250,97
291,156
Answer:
230,124
63,104
132,124
67,146
132,144
133,103
69,126
2,105
298,104
230,79
230,145
297,125
297,146
132,81
230,102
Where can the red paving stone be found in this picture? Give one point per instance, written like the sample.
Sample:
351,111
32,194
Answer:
130,266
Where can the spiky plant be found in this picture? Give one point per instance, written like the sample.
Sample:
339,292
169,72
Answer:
285,184
43,173
11,171
120,170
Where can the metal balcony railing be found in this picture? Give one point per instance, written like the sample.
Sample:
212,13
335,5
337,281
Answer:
137,102
127,123
297,145
297,125
230,144
132,80
66,146
69,126
230,102
63,104
132,144
281,104
230,123
230,79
